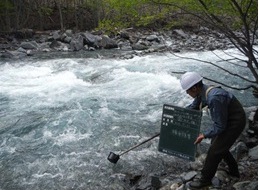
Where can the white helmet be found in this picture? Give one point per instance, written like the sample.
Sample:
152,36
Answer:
189,79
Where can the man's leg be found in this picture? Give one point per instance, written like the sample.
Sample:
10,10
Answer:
232,164
219,148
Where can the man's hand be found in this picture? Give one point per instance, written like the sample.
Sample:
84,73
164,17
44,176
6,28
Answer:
199,139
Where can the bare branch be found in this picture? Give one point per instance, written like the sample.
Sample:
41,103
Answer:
217,82
243,17
233,74
254,32
229,60
244,43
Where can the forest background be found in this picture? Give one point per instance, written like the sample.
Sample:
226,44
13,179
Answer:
112,15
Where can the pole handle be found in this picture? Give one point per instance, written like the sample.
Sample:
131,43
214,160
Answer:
140,144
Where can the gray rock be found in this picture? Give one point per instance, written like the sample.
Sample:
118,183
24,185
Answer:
29,45
216,183
77,44
155,182
69,33
139,46
107,43
54,44
188,176
20,49
239,150
180,33
253,153
152,38
67,39
90,39
29,52
13,54
222,176
56,35
243,185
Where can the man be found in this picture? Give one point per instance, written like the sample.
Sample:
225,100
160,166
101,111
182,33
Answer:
228,118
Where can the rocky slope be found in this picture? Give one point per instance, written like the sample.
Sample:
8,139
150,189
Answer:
128,42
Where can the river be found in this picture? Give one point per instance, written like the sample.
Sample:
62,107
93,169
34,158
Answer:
61,115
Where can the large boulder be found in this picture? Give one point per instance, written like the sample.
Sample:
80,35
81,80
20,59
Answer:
90,39
29,45
107,43
77,43
139,46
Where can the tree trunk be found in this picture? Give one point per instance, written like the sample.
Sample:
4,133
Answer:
7,18
60,15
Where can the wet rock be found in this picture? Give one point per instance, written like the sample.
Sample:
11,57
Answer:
239,150
29,53
54,44
77,43
155,182
107,43
91,49
252,130
153,37
222,175
139,46
197,165
90,39
13,54
253,153
188,176
128,56
29,45
20,49
244,185
180,33
67,39
174,186
69,33
152,181
216,183
56,35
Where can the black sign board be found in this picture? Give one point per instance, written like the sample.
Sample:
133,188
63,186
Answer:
179,129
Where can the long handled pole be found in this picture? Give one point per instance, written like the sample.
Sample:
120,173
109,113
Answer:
140,144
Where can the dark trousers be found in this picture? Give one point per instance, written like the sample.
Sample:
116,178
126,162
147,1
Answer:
219,149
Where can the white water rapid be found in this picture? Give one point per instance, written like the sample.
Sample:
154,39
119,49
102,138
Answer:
60,117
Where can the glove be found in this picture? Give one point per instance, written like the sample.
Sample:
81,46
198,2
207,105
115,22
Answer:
199,139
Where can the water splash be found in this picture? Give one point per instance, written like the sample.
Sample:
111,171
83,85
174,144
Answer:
60,118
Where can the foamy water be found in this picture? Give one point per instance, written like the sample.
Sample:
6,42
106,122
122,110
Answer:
60,118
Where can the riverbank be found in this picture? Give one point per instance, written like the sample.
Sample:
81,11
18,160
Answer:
128,42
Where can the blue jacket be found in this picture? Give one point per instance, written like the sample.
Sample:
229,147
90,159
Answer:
217,101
